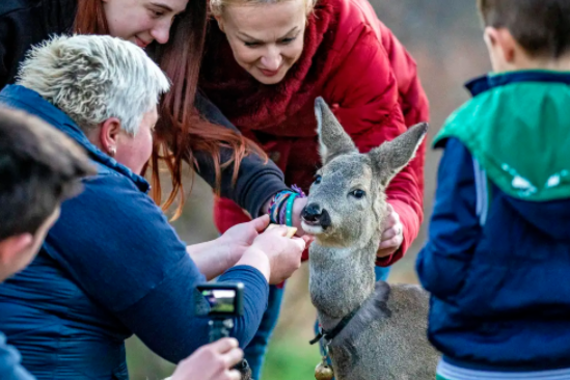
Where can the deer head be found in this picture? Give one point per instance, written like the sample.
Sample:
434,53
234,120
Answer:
347,201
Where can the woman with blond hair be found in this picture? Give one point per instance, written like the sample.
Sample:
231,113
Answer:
264,65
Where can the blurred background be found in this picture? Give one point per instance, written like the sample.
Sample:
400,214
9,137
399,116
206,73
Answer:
445,38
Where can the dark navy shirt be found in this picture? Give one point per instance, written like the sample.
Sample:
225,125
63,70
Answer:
112,266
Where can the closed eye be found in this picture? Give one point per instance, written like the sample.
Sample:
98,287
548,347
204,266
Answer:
252,44
287,41
156,13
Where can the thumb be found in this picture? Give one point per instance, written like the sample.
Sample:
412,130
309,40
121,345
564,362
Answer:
224,345
300,242
261,223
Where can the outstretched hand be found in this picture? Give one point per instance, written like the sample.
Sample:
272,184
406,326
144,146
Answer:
241,236
284,253
392,235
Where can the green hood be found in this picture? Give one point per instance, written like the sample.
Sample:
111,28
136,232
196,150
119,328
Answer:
519,131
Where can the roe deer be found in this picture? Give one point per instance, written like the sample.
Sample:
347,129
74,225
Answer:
385,337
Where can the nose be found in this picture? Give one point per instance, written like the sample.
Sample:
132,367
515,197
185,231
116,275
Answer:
272,59
161,33
312,213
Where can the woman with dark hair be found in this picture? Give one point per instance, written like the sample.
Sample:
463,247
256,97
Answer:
190,128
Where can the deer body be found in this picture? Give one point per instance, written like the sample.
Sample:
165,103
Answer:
386,339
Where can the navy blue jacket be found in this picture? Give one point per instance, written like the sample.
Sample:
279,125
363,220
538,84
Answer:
498,272
110,267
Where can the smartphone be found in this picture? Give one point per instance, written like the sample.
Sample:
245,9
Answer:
223,300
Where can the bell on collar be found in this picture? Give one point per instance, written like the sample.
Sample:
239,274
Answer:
323,371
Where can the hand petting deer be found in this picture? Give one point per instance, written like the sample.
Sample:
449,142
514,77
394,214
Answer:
372,330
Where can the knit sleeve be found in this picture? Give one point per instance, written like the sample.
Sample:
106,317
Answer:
257,181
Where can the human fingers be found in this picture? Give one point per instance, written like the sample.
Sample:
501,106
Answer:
261,223
300,242
393,243
233,375
389,234
224,345
232,357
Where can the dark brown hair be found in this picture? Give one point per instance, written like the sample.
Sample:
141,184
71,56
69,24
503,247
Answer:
40,167
180,130
541,27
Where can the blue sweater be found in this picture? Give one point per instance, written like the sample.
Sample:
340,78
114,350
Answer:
112,266
498,271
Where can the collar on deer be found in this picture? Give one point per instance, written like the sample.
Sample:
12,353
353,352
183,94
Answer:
328,336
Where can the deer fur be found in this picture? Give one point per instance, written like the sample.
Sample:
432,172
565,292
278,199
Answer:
387,337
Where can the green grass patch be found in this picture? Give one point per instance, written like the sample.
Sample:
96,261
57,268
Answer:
290,359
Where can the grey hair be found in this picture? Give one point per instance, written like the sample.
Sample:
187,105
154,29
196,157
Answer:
93,78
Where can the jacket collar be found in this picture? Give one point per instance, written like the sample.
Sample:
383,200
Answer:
24,99
490,81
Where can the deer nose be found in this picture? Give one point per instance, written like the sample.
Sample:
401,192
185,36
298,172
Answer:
312,213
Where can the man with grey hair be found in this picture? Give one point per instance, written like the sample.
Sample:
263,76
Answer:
112,266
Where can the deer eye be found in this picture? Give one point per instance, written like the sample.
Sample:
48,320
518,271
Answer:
318,179
358,194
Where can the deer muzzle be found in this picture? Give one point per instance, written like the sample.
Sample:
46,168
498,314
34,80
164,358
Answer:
314,215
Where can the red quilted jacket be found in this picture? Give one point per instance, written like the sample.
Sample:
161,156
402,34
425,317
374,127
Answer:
359,67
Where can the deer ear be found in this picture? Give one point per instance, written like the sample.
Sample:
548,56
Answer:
392,156
333,140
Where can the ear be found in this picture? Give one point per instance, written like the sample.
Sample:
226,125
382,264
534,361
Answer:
11,248
333,140
502,47
109,135
392,156
220,23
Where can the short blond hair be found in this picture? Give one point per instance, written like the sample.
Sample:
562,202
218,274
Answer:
92,78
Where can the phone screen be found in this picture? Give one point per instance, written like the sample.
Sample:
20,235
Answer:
222,301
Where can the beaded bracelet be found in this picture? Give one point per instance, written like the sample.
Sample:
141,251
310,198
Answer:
289,209
281,206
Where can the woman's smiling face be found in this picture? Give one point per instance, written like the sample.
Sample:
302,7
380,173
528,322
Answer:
266,39
142,21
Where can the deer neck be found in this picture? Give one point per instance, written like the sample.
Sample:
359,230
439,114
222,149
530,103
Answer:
341,279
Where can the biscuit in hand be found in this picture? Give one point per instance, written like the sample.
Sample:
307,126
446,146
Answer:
291,231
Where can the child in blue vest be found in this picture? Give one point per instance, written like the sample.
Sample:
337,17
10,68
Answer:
497,262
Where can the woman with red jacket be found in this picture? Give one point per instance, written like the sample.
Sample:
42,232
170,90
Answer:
267,61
